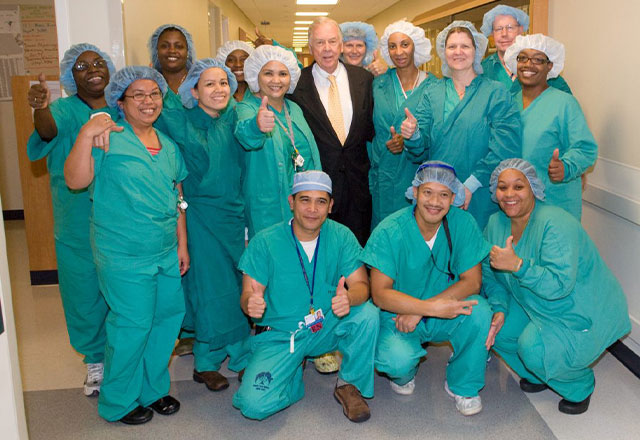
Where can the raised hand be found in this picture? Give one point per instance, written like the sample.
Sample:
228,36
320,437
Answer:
505,258
377,66
396,143
556,167
261,39
409,125
266,119
340,302
39,94
98,129
256,303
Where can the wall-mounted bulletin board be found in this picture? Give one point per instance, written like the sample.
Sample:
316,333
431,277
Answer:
28,43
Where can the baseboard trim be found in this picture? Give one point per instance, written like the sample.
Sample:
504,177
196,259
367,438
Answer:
42,277
626,356
13,214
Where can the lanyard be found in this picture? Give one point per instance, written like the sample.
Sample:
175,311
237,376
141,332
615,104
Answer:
297,165
304,271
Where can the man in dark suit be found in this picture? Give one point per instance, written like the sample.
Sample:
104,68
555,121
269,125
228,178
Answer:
337,103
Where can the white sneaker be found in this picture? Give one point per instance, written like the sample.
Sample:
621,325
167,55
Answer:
406,389
93,380
467,406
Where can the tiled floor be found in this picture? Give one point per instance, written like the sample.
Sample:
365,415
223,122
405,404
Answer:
49,363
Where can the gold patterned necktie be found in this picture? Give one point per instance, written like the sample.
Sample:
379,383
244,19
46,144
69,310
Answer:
335,110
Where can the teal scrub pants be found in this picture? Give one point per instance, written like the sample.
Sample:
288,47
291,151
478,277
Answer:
398,353
519,343
206,359
273,377
84,306
146,309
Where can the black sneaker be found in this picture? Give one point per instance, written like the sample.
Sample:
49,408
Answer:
138,416
530,387
564,406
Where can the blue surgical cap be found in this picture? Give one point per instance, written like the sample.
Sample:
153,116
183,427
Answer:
479,40
261,56
313,180
194,76
123,78
487,21
439,172
525,168
69,60
153,45
358,30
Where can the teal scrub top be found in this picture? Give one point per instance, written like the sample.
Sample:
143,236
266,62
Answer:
171,100
272,260
555,120
483,129
493,69
564,286
390,174
134,198
397,249
268,163
71,208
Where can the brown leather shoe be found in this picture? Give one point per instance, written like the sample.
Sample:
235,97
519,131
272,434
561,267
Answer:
212,379
353,405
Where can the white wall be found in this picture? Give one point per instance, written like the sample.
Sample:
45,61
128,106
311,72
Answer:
602,68
13,423
408,9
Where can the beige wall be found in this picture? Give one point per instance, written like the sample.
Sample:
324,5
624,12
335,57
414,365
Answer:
408,9
236,17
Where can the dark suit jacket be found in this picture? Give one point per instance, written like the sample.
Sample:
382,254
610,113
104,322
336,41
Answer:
348,165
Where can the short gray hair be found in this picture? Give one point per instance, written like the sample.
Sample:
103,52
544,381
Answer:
322,20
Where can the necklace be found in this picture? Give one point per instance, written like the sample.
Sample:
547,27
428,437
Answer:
415,83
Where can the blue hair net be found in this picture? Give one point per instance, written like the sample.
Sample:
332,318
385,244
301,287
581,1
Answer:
261,56
358,30
123,78
312,180
194,76
440,172
487,21
525,168
69,59
230,46
479,40
153,45
421,44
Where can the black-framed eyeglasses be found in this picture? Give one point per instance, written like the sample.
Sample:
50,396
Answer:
156,95
535,60
81,66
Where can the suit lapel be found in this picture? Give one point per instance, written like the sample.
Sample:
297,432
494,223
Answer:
357,95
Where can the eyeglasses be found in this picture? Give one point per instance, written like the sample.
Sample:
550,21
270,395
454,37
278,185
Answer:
538,61
509,28
156,95
81,66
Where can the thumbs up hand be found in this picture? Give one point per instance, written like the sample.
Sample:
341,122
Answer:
39,94
340,303
396,143
256,303
409,125
556,167
377,66
261,39
505,258
265,118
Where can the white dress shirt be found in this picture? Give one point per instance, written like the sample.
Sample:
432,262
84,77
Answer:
321,81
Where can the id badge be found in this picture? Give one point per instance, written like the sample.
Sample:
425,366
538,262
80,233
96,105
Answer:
313,321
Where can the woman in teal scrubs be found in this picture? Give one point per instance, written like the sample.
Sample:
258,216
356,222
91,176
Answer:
405,47
555,136
233,54
464,119
172,54
556,304
215,224
138,237
275,135
84,74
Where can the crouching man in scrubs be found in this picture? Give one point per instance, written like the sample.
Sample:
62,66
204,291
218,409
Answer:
425,274
306,289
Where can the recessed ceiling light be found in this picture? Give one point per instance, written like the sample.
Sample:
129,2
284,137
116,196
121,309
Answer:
312,14
297,49
316,2
303,22
301,28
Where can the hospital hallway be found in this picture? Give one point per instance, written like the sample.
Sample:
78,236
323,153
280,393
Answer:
52,375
